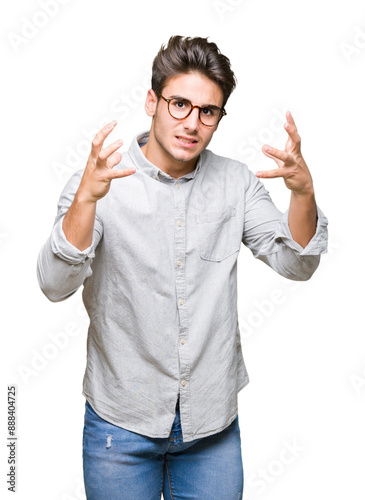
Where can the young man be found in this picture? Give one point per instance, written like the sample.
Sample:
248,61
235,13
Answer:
154,238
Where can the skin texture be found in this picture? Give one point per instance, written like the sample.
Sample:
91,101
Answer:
176,159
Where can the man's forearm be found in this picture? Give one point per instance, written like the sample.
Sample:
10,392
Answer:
302,217
78,223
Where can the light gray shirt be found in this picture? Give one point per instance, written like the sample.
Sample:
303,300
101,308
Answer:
160,288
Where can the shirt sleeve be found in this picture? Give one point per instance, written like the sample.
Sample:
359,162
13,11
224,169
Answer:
266,233
61,267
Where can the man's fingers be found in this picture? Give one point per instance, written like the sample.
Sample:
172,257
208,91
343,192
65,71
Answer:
278,172
113,160
105,153
276,153
117,173
293,134
292,130
100,137
291,121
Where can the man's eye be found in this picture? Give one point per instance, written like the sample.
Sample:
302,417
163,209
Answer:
207,111
179,104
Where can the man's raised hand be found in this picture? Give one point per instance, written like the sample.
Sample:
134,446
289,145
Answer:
99,172
292,166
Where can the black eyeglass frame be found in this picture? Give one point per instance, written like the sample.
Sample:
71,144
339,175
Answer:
222,110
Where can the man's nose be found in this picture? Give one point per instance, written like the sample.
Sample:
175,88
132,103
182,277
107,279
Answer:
192,121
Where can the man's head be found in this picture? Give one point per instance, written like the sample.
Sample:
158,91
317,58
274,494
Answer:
185,55
188,71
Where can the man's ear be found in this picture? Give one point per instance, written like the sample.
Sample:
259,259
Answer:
151,103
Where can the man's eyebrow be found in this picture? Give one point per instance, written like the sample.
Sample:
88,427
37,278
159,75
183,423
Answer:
179,97
186,99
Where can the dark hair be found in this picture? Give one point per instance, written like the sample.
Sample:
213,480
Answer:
185,54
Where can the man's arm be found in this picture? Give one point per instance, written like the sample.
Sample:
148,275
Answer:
291,243
64,260
302,216
61,267
267,234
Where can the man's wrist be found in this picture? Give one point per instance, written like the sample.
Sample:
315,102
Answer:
305,193
83,198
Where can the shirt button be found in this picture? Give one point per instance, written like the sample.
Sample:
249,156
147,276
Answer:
179,223
181,302
179,262
177,186
182,341
155,176
183,383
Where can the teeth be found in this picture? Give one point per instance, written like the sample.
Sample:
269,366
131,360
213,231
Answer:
184,140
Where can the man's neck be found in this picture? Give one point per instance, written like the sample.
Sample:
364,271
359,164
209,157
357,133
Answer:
166,163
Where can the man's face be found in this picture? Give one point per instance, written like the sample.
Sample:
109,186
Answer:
184,140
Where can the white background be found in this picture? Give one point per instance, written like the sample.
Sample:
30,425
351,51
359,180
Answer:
65,74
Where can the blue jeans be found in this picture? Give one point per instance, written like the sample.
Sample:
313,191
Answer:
123,465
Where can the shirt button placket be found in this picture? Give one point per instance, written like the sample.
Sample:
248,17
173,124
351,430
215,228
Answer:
183,345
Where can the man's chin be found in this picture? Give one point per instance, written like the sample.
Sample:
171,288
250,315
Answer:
185,156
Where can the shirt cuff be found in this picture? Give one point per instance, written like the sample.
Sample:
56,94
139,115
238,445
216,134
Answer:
316,246
65,250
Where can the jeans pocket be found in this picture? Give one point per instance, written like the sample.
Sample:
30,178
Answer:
217,234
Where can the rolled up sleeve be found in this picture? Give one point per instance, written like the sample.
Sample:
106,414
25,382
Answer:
267,234
316,246
66,251
61,267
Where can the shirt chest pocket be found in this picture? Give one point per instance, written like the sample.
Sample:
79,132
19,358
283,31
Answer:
217,234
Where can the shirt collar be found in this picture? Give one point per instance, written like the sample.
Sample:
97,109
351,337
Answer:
149,168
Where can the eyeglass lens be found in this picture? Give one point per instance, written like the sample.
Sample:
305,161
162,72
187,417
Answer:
180,108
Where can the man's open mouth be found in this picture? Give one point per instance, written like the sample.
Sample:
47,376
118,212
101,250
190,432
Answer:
186,140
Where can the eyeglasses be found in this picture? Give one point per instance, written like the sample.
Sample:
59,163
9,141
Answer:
180,108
